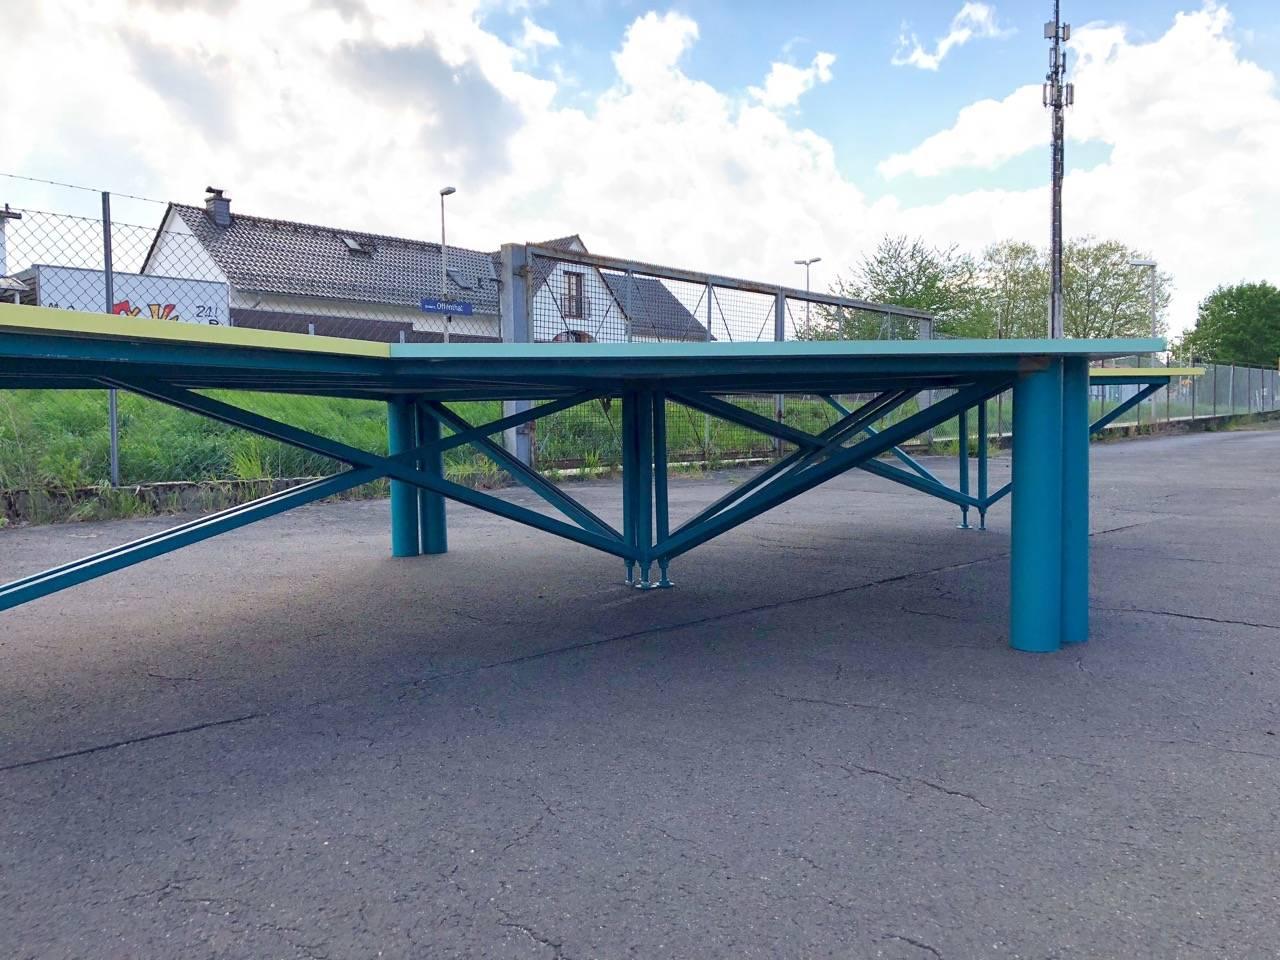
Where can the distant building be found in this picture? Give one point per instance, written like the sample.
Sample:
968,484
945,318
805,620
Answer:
305,278
577,303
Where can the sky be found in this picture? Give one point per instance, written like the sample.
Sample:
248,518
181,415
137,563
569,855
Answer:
734,137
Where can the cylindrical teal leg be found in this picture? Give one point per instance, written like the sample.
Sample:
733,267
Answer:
1036,576
642,509
404,496
1075,500
433,528
661,500
630,455
962,444
984,442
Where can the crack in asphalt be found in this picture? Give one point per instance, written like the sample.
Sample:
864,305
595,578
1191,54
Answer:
918,944
557,946
116,744
846,704
850,767
1192,616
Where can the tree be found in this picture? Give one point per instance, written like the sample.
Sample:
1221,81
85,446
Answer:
1004,294
1104,295
1015,290
1238,324
907,273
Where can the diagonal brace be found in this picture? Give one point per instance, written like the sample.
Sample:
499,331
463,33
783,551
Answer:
740,415
830,438
530,478
88,568
393,467
1126,406
844,459
898,452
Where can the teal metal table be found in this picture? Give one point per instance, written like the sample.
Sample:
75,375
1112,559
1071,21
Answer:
175,363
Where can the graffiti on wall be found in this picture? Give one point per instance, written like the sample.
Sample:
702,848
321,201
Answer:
158,311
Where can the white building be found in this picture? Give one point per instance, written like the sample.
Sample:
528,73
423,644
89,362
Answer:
306,278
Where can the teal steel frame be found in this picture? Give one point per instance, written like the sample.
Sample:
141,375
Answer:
1049,556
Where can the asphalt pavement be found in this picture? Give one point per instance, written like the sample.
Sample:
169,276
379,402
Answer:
283,743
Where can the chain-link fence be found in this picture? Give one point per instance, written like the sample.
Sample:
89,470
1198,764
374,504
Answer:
1223,390
209,265
214,265
576,297
70,453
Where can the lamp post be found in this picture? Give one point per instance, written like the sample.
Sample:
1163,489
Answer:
444,258
1150,265
807,264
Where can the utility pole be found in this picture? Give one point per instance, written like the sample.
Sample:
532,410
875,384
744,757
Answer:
1057,95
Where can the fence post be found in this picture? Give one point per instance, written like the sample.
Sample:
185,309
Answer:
924,331
631,282
779,336
108,276
707,417
514,309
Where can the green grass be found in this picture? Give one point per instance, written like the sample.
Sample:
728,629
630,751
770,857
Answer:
54,444
58,440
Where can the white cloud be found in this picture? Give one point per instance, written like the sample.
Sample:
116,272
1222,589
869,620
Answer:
974,20
785,83
1194,131
534,37
985,134
355,119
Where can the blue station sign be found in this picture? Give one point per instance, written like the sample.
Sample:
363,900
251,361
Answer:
458,308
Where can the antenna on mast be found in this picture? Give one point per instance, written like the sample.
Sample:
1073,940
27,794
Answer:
1057,95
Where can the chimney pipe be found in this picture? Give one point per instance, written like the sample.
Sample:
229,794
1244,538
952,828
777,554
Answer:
217,207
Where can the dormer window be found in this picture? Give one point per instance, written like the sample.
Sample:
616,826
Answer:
459,281
358,247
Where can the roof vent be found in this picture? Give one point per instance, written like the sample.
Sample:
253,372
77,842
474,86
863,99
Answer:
217,206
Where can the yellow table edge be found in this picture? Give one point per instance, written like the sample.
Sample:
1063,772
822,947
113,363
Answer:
58,322
1103,373
82,323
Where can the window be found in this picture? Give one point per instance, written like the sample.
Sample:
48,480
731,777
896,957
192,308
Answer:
356,245
572,296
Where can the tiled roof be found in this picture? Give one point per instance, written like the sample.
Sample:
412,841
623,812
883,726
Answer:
653,309
301,259
264,255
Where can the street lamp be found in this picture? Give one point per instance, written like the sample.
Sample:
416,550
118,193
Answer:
1150,265
807,264
444,257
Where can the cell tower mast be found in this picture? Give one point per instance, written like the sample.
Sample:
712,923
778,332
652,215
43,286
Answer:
1057,95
